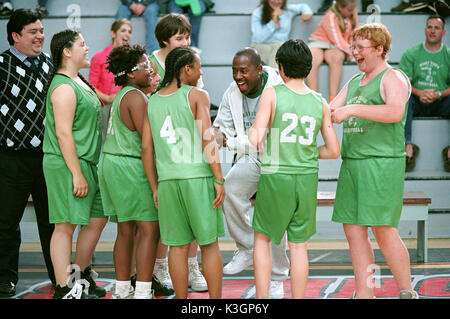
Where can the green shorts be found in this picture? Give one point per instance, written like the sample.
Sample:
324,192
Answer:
63,206
286,203
125,189
185,208
370,192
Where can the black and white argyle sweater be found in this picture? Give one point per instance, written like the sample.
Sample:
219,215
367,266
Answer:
22,102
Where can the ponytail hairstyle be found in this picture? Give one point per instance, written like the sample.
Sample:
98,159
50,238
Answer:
343,4
60,41
175,61
266,15
121,61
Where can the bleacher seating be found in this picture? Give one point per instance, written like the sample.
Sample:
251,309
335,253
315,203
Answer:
228,29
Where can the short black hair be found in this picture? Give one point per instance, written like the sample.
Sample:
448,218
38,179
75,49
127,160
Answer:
19,19
252,54
437,16
123,59
295,57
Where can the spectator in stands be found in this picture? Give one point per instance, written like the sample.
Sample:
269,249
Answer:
24,72
326,4
427,65
372,108
194,9
235,117
330,42
100,78
72,143
6,8
271,24
148,9
172,31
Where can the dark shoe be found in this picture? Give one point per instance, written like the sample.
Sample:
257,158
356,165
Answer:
446,159
160,289
76,292
7,289
42,10
402,6
6,10
411,161
89,275
365,4
326,4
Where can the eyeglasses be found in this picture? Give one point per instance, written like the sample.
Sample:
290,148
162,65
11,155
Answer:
359,48
140,66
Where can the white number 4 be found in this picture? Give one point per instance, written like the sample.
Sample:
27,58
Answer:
168,131
286,138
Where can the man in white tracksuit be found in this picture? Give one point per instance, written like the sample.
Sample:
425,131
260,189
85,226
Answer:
235,117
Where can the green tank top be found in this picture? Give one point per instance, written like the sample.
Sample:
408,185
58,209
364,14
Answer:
87,122
291,142
120,140
177,142
365,138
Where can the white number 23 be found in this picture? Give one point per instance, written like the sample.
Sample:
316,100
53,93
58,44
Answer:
286,137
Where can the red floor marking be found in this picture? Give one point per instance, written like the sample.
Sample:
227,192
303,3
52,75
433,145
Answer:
435,287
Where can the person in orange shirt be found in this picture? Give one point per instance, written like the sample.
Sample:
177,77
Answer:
330,42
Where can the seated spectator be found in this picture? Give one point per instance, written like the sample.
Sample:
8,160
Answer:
149,10
427,65
100,78
271,25
194,9
330,42
326,4
6,9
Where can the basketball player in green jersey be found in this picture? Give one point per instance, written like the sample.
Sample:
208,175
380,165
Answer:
372,108
287,189
125,190
187,183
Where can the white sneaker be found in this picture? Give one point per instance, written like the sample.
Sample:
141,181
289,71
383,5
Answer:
276,290
408,294
196,280
130,294
241,260
161,272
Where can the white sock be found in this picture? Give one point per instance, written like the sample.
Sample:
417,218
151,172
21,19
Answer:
161,260
192,260
123,288
143,290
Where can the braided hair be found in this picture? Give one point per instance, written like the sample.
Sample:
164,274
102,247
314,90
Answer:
60,41
175,61
123,59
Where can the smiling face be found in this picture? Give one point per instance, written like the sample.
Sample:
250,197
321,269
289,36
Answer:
143,75
31,39
246,75
178,40
122,35
365,54
276,4
78,53
194,72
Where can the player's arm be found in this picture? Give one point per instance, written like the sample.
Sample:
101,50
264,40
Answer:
263,117
64,103
331,149
200,104
394,91
133,107
339,100
148,157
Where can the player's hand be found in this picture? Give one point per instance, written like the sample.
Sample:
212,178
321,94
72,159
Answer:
219,136
80,185
155,198
220,195
339,115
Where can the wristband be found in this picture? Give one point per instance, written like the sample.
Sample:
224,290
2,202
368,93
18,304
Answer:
219,183
440,94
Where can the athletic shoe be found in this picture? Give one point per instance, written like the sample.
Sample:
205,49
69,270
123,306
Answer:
241,260
161,272
411,161
150,295
76,292
42,10
402,6
196,280
276,289
446,159
408,294
161,289
7,289
6,10
130,294
90,275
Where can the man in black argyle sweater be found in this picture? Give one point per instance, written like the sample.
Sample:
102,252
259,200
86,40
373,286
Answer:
24,71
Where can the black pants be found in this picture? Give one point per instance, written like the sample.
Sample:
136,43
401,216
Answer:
21,175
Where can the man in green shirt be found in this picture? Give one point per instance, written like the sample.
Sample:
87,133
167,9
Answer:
428,67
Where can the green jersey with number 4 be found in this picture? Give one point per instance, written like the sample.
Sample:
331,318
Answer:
291,142
177,142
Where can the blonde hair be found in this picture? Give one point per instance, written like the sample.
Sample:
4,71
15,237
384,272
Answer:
343,4
377,34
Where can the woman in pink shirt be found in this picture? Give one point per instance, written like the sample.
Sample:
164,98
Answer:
331,42
99,77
